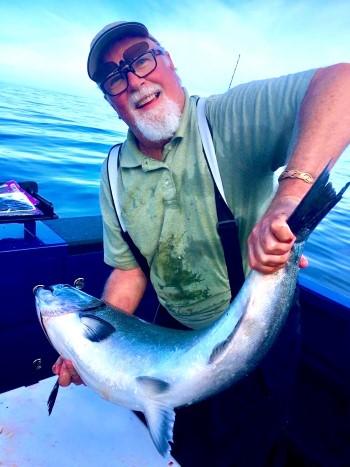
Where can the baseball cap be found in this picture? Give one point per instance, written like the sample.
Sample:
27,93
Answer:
110,32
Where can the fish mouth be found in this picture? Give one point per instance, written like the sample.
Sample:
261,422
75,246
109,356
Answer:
51,288
64,297
147,99
37,287
36,291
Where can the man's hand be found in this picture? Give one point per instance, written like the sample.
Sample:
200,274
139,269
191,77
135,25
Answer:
271,240
66,372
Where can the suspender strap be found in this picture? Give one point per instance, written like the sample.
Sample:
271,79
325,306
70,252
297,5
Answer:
112,174
142,262
226,226
208,146
228,233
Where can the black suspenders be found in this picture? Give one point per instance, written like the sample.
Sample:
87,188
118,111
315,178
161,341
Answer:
226,228
228,233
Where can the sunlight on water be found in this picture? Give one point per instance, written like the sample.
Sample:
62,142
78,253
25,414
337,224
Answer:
60,141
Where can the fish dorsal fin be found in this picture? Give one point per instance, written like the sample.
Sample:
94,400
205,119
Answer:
160,421
52,397
96,328
220,348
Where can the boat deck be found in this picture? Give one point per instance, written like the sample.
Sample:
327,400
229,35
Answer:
83,430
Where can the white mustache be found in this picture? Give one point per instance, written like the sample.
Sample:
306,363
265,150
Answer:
143,92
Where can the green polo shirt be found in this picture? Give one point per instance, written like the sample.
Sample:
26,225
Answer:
168,206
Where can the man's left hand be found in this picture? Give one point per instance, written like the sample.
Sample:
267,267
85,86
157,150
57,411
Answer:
271,240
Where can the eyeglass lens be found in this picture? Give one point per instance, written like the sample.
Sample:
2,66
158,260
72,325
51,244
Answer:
141,67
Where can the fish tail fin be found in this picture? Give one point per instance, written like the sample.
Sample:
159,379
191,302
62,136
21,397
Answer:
314,206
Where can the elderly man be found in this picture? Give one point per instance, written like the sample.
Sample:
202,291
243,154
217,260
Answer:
167,204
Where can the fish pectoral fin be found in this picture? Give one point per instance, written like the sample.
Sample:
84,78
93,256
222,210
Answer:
96,328
220,348
160,420
52,397
152,386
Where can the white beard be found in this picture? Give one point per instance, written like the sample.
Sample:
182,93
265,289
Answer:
160,123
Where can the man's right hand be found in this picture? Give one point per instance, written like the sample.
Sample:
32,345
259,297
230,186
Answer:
66,372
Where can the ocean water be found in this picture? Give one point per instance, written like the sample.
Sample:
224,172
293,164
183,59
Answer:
60,141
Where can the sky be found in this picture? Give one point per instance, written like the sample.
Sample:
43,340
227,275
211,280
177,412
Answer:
45,43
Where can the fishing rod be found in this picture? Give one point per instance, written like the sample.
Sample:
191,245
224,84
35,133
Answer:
234,71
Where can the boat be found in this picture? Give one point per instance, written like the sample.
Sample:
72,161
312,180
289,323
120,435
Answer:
70,250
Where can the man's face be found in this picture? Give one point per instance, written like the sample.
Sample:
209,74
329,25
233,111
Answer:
144,96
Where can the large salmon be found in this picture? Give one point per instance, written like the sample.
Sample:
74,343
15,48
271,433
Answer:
153,369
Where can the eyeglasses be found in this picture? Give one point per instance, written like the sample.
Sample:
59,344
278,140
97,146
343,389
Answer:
117,82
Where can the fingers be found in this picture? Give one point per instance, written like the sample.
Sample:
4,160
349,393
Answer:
56,367
269,245
66,372
304,262
281,231
75,378
267,264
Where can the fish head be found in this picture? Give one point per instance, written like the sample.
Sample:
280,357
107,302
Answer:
58,301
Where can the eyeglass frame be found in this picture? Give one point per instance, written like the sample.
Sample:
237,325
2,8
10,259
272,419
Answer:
124,68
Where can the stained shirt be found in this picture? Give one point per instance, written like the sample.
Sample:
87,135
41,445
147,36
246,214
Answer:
168,206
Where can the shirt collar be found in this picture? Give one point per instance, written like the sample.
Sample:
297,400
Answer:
131,155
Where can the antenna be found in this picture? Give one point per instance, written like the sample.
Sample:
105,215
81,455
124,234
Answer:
234,71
